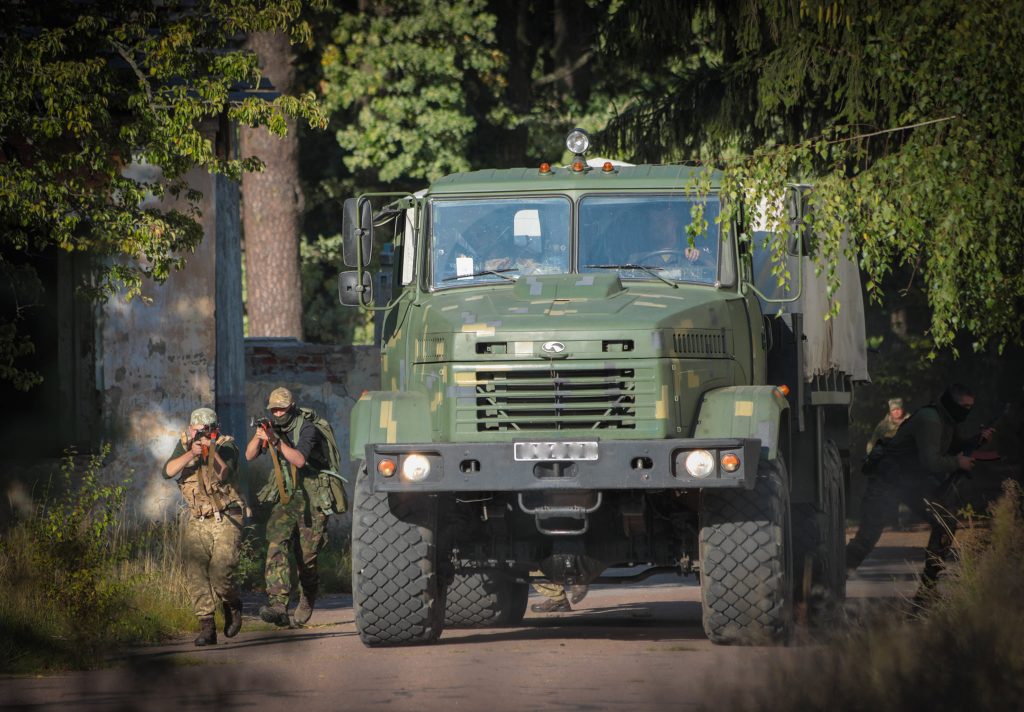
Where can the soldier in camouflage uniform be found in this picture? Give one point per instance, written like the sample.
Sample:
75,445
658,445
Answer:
296,529
206,466
888,425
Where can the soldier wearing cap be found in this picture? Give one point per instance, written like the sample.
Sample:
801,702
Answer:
888,425
296,529
205,464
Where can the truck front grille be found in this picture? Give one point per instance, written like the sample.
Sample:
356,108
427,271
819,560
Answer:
557,398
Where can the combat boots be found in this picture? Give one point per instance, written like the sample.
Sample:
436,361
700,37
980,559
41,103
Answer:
551,605
207,632
304,610
276,614
232,618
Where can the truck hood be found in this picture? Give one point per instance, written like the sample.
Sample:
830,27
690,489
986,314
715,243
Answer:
586,313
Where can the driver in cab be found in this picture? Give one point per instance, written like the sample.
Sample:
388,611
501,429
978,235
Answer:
665,245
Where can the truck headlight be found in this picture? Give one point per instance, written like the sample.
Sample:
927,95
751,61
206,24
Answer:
415,468
700,463
577,141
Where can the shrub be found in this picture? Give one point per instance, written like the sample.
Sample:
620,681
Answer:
965,650
74,585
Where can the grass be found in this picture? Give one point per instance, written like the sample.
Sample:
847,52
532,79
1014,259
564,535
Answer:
964,650
76,583
80,579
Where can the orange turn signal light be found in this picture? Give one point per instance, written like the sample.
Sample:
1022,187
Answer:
578,166
545,168
386,467
783,389
730,462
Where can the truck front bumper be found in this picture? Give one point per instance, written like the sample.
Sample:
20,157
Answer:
570,465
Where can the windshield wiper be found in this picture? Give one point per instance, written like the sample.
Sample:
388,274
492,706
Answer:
480,273
651,270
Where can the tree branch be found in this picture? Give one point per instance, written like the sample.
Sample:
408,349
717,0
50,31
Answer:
565,72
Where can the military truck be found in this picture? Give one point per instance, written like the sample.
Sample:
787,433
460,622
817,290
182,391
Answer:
585,377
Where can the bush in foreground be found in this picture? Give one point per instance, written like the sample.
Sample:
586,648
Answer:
965,650
74,585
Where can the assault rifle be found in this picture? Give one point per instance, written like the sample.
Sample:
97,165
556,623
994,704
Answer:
279,476
973,444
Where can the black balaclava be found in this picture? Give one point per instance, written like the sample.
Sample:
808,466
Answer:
956,411
282,421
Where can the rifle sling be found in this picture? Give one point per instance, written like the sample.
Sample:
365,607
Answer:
282,489
204,482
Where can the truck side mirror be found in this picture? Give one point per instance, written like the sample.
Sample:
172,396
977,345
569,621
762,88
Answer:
356,225
353,294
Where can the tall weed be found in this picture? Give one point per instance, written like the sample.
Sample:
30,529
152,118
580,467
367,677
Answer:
75,582
964,650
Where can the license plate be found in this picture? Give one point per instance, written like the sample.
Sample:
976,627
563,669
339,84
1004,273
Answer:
574,451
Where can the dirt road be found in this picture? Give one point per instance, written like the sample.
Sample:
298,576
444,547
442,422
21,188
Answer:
637,647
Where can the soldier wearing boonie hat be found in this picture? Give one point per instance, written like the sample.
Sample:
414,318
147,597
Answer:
205,464
296,449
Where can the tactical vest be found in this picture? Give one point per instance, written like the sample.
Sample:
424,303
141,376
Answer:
205,493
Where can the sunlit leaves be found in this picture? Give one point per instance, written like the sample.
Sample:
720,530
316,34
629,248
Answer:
89,89
404,70
907,118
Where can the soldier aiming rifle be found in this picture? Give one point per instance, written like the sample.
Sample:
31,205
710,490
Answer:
205,463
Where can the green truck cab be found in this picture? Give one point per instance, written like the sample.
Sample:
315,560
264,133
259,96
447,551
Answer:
580,373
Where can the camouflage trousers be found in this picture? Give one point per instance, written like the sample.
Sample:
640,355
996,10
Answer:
554,591
296,532
211,551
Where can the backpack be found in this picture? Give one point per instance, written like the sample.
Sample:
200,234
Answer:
328,495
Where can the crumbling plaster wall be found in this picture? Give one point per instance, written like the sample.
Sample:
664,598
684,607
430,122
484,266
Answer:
155,363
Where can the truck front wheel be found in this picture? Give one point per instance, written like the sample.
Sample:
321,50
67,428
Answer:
484,598
397,596
746,561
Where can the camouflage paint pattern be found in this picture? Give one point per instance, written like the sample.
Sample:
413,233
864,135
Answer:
296,533
211,549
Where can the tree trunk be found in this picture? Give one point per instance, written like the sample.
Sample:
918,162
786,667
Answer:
271,206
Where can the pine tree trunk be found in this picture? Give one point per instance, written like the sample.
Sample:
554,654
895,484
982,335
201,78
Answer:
271,207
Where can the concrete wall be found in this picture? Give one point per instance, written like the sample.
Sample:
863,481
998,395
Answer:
155,364
182,348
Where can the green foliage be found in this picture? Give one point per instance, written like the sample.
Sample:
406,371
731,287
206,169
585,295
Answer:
73,585
104,108
335,563
76,543
412,72
908,119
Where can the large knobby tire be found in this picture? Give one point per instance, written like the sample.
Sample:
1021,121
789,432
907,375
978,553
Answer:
397,595
819,539
477,598
746,560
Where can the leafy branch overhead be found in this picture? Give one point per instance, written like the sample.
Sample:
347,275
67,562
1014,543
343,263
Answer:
908,119
104,108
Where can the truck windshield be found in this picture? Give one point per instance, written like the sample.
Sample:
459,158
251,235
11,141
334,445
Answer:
648,237
497,240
